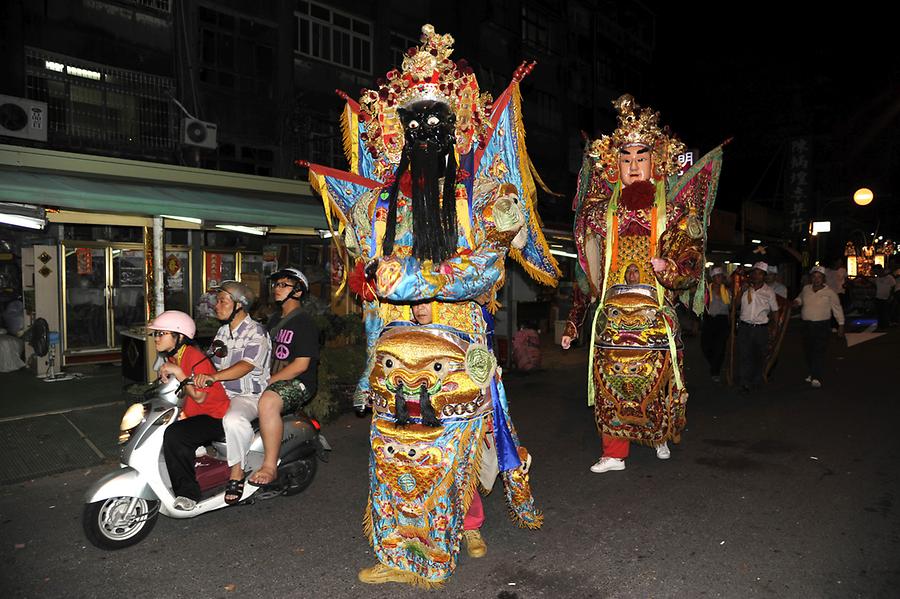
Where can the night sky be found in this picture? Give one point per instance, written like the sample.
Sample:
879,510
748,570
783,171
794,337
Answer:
766,74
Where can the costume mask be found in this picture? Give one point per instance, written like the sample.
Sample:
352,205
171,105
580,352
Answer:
429,136
635,164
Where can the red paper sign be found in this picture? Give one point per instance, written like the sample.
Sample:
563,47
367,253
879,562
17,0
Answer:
84,261
213,269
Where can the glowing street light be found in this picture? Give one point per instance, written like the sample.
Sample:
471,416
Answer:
863,196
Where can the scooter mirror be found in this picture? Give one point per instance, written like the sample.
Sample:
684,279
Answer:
218,348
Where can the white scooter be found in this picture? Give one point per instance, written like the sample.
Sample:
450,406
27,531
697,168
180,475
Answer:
122,507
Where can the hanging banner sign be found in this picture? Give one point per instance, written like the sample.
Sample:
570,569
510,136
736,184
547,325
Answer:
213,270
84,261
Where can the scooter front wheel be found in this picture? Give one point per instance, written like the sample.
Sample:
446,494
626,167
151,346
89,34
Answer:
119,522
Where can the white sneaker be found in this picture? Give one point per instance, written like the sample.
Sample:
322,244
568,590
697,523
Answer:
185,504
607,464
662,451
808,379
816,384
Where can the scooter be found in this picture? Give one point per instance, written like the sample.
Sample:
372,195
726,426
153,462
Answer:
122,507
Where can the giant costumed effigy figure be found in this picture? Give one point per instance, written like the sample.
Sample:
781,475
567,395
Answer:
441,190
640,230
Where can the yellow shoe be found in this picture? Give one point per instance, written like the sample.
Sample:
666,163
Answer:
379,573
475,545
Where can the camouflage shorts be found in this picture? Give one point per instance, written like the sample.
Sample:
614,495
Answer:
293,393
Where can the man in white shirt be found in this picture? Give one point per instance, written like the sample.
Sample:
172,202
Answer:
884,287
818,303
758,307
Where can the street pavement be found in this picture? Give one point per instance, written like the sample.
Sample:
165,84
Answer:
788,492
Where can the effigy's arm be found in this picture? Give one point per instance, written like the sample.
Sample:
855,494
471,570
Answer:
504,157
683,255
581,299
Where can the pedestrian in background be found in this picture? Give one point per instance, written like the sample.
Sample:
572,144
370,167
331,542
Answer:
818,303
884,288
716,328
895,298
759,306
774,281
836,279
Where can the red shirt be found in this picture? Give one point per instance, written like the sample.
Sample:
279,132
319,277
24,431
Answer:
216,402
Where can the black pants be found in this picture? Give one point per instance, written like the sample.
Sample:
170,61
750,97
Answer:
713,341
179,448
815,344
751,341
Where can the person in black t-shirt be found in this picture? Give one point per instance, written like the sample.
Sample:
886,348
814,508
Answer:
295,361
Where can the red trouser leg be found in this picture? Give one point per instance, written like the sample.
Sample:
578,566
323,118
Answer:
614,447
475,516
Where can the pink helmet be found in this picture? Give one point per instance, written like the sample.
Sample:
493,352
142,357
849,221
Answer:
175,321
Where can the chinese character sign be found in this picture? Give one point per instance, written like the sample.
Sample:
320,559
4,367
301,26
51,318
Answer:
798,184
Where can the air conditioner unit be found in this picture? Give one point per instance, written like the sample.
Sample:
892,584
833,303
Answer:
23,118
195,132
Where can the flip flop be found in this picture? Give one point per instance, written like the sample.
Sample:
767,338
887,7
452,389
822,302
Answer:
235,490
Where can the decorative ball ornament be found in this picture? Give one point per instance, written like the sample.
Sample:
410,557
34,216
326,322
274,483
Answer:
863,196
407,482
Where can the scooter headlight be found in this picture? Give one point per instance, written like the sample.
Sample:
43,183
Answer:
134,415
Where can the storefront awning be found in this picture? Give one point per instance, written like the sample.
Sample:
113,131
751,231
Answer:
114,186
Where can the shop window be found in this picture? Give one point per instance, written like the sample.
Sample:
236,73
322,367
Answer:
103,233
177,237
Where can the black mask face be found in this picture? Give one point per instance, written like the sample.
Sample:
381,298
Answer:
429,129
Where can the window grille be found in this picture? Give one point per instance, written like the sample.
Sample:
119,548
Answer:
93,102
160,5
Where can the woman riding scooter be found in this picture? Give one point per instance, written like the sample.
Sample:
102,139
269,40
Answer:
201,423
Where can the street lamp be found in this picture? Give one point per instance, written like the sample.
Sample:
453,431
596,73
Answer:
863,196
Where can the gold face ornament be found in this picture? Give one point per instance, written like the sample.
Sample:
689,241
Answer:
424,369
632,320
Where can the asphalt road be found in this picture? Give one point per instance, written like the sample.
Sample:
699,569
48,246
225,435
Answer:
787,493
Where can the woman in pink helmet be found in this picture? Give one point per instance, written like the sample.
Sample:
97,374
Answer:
173,333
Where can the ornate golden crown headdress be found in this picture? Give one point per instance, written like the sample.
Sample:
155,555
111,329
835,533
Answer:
637,127
427,73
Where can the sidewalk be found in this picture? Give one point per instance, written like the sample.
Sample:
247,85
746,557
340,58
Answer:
46,428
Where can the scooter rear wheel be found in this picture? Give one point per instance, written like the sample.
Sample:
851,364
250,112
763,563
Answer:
109,524
300,475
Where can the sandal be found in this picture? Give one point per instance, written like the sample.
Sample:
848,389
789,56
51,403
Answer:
234,490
